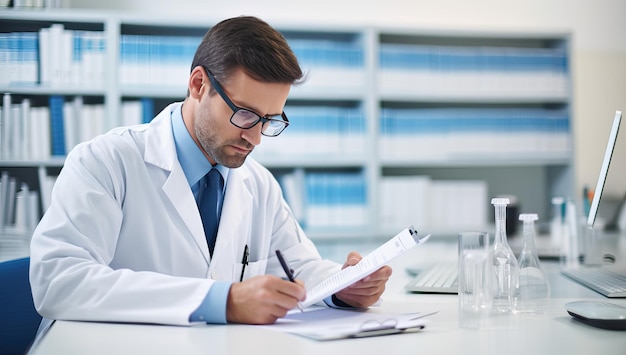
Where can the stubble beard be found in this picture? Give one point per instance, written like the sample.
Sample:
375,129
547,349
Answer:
209,141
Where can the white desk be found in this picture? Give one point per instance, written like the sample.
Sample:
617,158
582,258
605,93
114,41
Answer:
553,333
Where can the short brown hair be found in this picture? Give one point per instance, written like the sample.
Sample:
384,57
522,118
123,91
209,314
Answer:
251,44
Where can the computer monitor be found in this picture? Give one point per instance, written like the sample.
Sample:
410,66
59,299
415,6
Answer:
608,196
605,251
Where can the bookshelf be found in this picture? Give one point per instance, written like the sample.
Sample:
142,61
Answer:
390,119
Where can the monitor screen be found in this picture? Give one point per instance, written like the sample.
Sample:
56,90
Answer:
610,190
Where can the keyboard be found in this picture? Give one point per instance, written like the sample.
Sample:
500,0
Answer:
436,278
600,279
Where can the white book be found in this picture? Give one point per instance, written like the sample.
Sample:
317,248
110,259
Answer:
21,209
91,123
40,133
93,57
69,126
67,51
45,68
33,215
404,200
13,52
46,137
46,182
4,57
86,124
26,210
99,57
10,202
15,123
55,45
26,145
145,61
129,59
77,59
155,68
5,134
28,58
131,113
4,187
32,133
72,119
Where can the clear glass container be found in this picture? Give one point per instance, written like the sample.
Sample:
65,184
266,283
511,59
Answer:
533,290
503,263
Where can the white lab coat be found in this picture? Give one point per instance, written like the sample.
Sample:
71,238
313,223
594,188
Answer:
123,239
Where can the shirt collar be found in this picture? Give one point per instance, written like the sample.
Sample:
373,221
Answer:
195,165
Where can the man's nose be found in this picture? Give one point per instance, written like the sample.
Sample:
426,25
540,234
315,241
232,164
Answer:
253,135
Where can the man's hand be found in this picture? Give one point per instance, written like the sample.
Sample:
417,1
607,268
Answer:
262,299
366,291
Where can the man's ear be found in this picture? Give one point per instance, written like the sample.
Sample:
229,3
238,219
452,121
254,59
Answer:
198,83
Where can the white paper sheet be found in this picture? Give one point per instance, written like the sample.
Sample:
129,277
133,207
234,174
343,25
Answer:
394,247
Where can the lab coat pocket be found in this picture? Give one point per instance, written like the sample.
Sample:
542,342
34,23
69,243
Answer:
254,268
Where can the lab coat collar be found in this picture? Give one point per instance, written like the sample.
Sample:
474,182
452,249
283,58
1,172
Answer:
160,148
160,151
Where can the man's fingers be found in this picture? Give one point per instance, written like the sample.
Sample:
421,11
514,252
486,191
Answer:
352,259
262,299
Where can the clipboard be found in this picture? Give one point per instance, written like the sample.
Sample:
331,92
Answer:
372,328
322,324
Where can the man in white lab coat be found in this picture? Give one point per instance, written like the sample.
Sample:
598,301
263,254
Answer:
123,239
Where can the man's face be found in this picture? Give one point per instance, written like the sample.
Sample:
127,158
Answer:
223,142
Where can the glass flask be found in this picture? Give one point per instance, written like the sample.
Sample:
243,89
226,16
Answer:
503,263
533,290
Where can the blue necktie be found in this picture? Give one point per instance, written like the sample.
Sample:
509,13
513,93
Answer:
209,208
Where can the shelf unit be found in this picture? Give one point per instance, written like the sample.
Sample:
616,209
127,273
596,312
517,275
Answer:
368,86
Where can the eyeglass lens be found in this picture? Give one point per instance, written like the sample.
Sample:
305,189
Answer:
243,118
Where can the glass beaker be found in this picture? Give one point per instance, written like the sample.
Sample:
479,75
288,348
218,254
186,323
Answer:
474,289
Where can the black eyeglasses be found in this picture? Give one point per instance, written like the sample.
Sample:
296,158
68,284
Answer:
246,119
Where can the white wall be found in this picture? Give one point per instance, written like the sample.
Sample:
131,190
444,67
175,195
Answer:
598,48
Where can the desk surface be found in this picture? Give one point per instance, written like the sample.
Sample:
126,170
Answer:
553,333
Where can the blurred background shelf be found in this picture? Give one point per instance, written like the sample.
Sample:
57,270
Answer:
339,143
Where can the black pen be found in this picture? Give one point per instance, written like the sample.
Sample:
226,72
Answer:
244,261
288,271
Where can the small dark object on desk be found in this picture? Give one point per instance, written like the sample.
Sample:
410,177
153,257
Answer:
598,314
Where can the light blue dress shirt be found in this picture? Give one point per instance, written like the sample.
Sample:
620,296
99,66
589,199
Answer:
195,165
